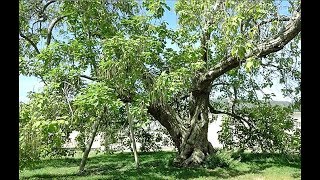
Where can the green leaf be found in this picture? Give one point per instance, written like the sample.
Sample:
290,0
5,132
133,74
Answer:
36,124
234,51
241,52
249,64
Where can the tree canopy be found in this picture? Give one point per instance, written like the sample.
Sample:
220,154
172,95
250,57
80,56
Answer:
104,53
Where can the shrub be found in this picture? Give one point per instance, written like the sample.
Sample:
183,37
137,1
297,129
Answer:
264,128
221,158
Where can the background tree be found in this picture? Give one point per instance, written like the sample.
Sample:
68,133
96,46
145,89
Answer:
259,129
44,126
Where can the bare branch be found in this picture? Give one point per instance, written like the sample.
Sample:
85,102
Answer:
42,79
30,41
65,92
50,28
220,84
46,5
214,111
284,18
270,65
182,97
218,5
235,99
205,30
90,78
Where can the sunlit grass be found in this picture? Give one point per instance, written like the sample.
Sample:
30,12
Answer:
154,165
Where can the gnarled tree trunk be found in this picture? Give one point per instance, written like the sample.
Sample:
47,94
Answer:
195,145
189,135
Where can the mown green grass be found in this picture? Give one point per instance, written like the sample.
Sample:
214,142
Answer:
154,165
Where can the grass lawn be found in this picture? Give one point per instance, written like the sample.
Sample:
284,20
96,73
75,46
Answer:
154,165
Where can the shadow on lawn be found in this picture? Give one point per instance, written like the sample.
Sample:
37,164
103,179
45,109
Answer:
71,162
157,173
63,162
274,159
155,166
159,170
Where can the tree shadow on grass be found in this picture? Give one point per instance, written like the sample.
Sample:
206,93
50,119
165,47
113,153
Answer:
272,158
177,173
159,169
155,166
71,162
51,176
296,175
154,173
59,162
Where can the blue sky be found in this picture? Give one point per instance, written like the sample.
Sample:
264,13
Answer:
27,84
32,83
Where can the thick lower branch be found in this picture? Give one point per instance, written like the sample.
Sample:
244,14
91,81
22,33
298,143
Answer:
291,30
169,121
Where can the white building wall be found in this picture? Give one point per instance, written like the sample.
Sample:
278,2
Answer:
213,129
215,126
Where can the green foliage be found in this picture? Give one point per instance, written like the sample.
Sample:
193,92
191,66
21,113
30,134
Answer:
251,63
154,166
156,7
95,96
43,127
261,129
82,140
126,53
293,143
29,146
153,140
222,158
169,85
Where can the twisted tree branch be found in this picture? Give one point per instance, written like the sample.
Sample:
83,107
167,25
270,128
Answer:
46,5
30,41
214,111
291,30
51,26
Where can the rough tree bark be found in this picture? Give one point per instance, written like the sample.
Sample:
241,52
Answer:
189,135
191,138
168,119
195,145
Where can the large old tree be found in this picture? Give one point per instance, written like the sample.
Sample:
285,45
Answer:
221,49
